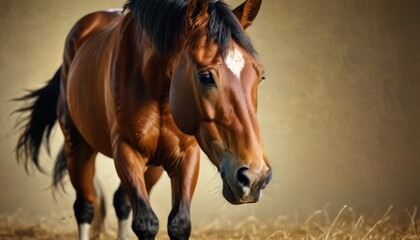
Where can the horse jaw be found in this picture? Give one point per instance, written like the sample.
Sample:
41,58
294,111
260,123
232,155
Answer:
182,99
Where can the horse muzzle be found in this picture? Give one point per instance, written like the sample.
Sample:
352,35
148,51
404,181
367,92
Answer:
242,186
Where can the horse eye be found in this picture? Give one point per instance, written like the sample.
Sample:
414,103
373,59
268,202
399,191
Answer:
206,79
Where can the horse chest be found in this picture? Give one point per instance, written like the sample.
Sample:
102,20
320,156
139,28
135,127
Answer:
156,136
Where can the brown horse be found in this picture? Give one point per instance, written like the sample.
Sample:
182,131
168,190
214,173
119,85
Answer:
149,88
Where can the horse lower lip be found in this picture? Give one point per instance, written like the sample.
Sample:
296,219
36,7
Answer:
230,198
247,200
234,196
228,194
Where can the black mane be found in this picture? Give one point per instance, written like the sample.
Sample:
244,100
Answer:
161,19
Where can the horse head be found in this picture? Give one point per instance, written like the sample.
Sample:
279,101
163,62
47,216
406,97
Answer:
213,95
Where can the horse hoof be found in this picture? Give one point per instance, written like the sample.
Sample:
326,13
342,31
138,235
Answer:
179,226
146,226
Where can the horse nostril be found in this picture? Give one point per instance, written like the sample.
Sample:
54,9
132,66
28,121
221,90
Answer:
242,178
222,174
268,177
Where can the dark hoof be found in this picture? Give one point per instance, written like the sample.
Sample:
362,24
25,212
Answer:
179,226
146,225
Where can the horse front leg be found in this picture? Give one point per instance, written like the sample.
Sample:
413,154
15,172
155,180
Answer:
183,181
131,166
122,202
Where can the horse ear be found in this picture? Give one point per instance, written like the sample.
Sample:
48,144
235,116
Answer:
197,13
247,11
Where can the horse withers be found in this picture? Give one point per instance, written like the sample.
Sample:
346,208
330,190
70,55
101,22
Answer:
149,88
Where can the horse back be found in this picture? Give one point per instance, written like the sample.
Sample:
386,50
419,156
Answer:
87,62
87,26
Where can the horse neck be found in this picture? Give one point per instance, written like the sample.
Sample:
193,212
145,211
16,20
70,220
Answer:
138,59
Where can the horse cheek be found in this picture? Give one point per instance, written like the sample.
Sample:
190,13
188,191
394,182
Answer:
182,100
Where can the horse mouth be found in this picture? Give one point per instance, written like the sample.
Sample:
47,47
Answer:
234,196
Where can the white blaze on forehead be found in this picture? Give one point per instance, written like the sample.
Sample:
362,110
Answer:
235,61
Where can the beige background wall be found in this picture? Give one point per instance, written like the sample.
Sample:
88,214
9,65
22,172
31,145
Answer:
340,109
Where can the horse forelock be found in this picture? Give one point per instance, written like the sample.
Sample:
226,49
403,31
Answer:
223,27
162,20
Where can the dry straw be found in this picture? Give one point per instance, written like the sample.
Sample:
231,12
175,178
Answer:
318,226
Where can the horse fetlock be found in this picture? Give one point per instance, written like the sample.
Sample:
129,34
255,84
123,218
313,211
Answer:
83,211
179,225
122,211
145,225
121,204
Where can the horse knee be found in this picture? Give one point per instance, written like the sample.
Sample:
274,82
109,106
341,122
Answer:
179,225
145,224
121,204
83,211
